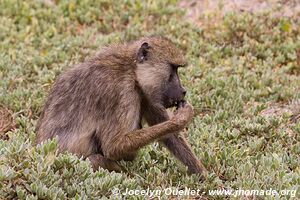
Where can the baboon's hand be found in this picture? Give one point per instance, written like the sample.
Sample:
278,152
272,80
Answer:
184,114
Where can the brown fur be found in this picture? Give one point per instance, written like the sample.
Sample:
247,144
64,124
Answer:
96,107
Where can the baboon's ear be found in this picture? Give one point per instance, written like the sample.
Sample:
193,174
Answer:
143,52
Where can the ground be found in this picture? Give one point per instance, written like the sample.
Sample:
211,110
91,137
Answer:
242,79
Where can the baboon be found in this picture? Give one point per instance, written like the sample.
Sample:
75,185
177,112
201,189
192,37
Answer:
96,107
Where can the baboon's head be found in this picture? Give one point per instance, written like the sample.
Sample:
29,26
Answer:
158,60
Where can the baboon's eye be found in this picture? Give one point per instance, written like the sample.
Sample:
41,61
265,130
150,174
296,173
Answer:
174,66
171,76
174,69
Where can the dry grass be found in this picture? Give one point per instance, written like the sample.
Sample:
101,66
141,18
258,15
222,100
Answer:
6,122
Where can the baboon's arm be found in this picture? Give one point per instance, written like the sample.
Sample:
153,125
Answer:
182,151
119,142
176,144
122,143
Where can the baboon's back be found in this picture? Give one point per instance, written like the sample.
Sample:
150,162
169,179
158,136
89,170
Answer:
81,99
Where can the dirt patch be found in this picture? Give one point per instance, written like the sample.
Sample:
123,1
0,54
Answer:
7,122
272,109
291,109
217,8
278,109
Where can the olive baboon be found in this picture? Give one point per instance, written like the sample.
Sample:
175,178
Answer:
96,107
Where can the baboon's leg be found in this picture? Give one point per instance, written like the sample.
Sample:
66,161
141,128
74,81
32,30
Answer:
176,144
130,156
98,160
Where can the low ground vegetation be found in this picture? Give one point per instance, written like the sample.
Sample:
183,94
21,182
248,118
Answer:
238,69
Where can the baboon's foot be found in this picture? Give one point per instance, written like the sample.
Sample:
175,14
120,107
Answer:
98,160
